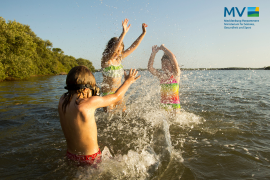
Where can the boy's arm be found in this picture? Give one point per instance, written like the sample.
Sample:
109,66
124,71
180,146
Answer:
136,43
97,102
151,69
172,58
120,39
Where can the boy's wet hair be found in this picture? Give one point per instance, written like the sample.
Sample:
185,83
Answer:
108,50
79,78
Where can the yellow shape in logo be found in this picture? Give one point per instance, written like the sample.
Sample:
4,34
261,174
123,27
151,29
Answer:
257,9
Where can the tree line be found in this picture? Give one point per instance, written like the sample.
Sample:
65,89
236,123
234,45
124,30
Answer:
23,54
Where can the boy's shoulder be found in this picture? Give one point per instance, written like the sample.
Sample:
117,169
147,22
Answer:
91,101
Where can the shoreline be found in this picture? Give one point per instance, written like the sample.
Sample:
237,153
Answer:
18,79
203,69
141,69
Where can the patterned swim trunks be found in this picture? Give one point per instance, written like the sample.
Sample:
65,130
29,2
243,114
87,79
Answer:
93,159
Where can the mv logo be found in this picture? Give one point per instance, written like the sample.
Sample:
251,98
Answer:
252,11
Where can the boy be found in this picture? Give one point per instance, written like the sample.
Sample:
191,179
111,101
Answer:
76,111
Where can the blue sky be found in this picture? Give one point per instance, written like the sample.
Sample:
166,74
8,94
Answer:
192,30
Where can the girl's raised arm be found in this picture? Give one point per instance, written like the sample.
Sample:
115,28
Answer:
151,69
172,58
136,43
117,45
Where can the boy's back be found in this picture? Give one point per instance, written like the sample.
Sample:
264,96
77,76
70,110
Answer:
79,126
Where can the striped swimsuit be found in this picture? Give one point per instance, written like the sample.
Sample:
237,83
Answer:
170,93
113,71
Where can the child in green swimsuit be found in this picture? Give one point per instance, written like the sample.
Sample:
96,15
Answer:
112,57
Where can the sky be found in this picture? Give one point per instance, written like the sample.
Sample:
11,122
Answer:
193,30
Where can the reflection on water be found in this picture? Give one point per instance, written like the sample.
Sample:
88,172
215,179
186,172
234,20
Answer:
36,90
222,132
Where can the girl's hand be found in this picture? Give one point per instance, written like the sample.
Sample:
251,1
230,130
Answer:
131,76
144,27
125,27
162,46
155,49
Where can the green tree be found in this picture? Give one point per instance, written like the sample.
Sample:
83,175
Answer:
69,62
3,47
87,63
58,50
23,54
18,50
18,66
2,72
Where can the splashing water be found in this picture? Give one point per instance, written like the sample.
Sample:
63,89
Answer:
140,142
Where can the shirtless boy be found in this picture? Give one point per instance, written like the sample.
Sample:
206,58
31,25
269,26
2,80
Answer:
77,108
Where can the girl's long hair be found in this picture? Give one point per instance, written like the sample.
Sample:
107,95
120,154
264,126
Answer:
108,53
79,75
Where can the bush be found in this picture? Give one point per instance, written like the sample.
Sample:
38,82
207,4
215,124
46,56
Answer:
23,54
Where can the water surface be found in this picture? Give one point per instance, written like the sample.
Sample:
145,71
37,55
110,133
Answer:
223,131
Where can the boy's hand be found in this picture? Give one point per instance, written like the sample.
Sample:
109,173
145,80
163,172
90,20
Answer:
125,27
131,76
155,49
144,27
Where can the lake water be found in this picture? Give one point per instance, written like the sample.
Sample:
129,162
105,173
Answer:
223,131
